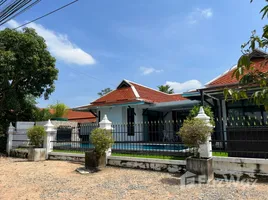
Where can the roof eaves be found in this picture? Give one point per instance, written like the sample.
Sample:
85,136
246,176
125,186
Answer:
207,84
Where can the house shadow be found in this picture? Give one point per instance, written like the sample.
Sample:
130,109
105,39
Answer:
170,181
23,161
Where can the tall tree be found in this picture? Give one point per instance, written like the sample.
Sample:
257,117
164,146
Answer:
165,88
247,74
104,91
26,68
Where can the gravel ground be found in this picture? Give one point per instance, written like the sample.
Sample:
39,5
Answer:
20,179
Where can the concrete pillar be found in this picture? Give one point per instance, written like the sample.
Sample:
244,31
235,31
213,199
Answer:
10,132
50,132
205,149
106,124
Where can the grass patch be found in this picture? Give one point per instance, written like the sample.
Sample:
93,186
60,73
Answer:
68,151
148,156
220,154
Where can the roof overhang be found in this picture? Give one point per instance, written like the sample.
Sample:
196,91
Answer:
174,105
94,107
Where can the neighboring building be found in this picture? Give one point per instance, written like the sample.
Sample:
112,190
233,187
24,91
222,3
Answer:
132,103
79,116
232,113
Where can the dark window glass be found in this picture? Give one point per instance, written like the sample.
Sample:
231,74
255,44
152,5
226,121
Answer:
99,116
130,121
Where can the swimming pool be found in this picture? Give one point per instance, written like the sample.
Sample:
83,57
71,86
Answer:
126,146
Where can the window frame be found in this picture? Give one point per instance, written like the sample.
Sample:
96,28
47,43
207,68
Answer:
130,121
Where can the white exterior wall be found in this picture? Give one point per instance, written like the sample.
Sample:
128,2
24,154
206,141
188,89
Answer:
118,116
114,114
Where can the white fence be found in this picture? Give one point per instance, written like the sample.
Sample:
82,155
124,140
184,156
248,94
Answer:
20,135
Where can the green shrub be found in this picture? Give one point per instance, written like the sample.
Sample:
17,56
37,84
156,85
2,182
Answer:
194,132
59,109
36,135
208,111
102,140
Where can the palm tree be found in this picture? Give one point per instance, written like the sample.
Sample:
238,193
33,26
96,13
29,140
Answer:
104,91
165,88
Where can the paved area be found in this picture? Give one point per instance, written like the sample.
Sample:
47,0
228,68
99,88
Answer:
20,179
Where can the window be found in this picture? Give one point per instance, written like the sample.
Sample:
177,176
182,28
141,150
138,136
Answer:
99,116
130,121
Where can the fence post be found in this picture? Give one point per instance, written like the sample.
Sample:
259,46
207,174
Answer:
106,124
48,144
10,132
205,149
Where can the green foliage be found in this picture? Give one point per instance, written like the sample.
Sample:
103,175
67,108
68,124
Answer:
59,109
104,91
149,156
252,77
166,89
102,140
194,132
208,111
41,114
36,135
27,70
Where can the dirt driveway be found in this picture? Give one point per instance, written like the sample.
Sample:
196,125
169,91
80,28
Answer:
20,179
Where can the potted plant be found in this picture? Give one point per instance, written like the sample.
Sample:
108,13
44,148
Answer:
36,151
102,140
195,133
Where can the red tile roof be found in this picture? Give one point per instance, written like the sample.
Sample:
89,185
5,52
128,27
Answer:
227,79
154,96
118,95
129,91
78,116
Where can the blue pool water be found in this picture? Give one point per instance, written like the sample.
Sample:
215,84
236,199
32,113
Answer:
130,146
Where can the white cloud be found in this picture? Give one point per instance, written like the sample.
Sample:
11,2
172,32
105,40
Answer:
59,45
199,14
185,86
207,13
149,70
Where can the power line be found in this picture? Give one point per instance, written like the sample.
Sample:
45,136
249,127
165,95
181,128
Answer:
91,77
46,14
20,12
85,74
11,9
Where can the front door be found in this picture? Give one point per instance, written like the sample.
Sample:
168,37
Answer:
155,130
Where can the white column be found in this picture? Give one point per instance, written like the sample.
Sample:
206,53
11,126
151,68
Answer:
10,132
50,132
205,149
106,124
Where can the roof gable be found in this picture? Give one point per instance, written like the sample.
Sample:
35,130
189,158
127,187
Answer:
128,91
154,96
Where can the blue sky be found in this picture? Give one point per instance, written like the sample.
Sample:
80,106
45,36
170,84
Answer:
183,43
